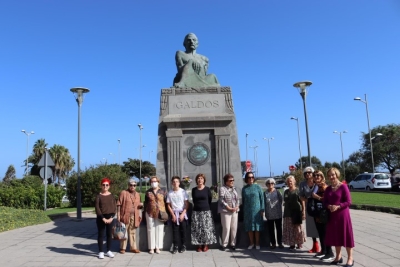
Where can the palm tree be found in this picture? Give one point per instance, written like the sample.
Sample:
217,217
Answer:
38,151
62,160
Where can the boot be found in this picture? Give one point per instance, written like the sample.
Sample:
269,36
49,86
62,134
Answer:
315,248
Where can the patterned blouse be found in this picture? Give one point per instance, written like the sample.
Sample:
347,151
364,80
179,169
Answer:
273,204
150,202
228,196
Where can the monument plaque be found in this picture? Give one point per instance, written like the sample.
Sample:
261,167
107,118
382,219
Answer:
197,125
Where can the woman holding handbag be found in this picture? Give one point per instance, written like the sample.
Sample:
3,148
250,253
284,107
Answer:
154,205
293,215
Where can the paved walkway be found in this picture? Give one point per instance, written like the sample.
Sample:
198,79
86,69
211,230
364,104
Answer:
66,242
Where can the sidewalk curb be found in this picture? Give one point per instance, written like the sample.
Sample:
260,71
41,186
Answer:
68,214
376,208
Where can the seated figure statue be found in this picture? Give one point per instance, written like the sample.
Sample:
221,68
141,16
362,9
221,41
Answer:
192,67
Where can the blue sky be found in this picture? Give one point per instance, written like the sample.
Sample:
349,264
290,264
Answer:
123,51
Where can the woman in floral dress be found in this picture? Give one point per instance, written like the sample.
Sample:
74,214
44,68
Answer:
293,215
253,209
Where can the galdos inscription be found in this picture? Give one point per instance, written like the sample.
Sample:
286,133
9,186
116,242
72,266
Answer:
196,104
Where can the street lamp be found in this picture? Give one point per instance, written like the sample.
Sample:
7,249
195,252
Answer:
140,156
369,129
269,155
341,146
302,87
298,135
255,159
119,151
78,93
247,158
27,148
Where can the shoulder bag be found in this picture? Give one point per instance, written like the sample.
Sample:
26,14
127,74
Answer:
162,215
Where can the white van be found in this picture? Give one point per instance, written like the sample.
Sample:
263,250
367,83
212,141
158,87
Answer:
371,181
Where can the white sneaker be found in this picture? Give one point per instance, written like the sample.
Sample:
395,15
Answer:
251,247
257,247
109,254
101,255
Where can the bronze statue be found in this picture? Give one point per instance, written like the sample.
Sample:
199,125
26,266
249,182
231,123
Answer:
192,67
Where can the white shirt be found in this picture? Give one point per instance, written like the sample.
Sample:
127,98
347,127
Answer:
177,199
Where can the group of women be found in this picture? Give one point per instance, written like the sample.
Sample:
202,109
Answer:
287,210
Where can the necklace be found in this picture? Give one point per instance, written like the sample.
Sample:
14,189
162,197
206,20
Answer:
334,187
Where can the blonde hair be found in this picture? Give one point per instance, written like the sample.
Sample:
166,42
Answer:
154,177
335,170
290,177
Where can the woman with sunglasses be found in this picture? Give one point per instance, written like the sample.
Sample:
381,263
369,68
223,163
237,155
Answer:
306,188
105,209
273,212
253,209
228,208
326,253
128,212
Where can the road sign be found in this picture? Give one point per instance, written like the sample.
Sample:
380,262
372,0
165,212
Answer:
49,173
248,166
292,168
49,162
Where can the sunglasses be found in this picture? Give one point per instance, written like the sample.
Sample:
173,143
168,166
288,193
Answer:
105,185
251,177
308,173
231,180
134,185
317,175
270,183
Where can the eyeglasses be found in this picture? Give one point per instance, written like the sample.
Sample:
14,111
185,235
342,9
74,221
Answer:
270,183
134,185
105,185
317,175
251,177
308,173
231,180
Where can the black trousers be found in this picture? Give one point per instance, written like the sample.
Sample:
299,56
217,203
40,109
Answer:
321,229
101,226
271,225
179,232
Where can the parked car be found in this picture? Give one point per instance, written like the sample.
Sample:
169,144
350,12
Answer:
281,185
65,199
371,181
395,184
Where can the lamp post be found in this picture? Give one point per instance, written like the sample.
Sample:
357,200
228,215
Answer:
269,154
27,148
247,158
341,146
140,156
298,135
119,151
150,155
78,93
302,87
369,129
255,159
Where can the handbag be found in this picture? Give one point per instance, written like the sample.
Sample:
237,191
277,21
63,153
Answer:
119,231
162,215
324,215
314,207
297,217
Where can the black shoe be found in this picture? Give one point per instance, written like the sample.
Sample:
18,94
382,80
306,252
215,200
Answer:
349,265
337,262
222,248
175,250
319,255
292,247
280,246
273,247
233,247
328,258
183,249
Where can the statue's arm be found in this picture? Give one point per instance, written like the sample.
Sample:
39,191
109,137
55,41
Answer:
179,60
205,65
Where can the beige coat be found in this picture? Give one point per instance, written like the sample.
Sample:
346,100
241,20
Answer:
125,202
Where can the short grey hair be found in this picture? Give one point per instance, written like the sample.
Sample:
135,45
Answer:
131,181
290,177
270,180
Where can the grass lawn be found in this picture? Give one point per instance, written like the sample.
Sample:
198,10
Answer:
12,218
377,199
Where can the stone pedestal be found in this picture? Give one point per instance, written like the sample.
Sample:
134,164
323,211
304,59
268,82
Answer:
197,134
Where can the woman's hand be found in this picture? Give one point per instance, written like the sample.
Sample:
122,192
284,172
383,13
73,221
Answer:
173,218
303,216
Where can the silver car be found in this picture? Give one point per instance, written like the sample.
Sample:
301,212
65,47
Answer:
371,181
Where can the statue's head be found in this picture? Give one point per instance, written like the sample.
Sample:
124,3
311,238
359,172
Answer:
190,42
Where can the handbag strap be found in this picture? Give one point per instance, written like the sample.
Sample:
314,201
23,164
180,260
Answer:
156,198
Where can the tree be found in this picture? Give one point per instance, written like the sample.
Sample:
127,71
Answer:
62,160
316,162
132,168
10,174
386,148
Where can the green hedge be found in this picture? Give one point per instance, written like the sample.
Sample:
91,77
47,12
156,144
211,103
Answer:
28,193
12,218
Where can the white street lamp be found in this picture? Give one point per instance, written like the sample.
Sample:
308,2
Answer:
78,93
27,148
302,87
140,156
369,129
269,155
298,135
119,151
341,146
